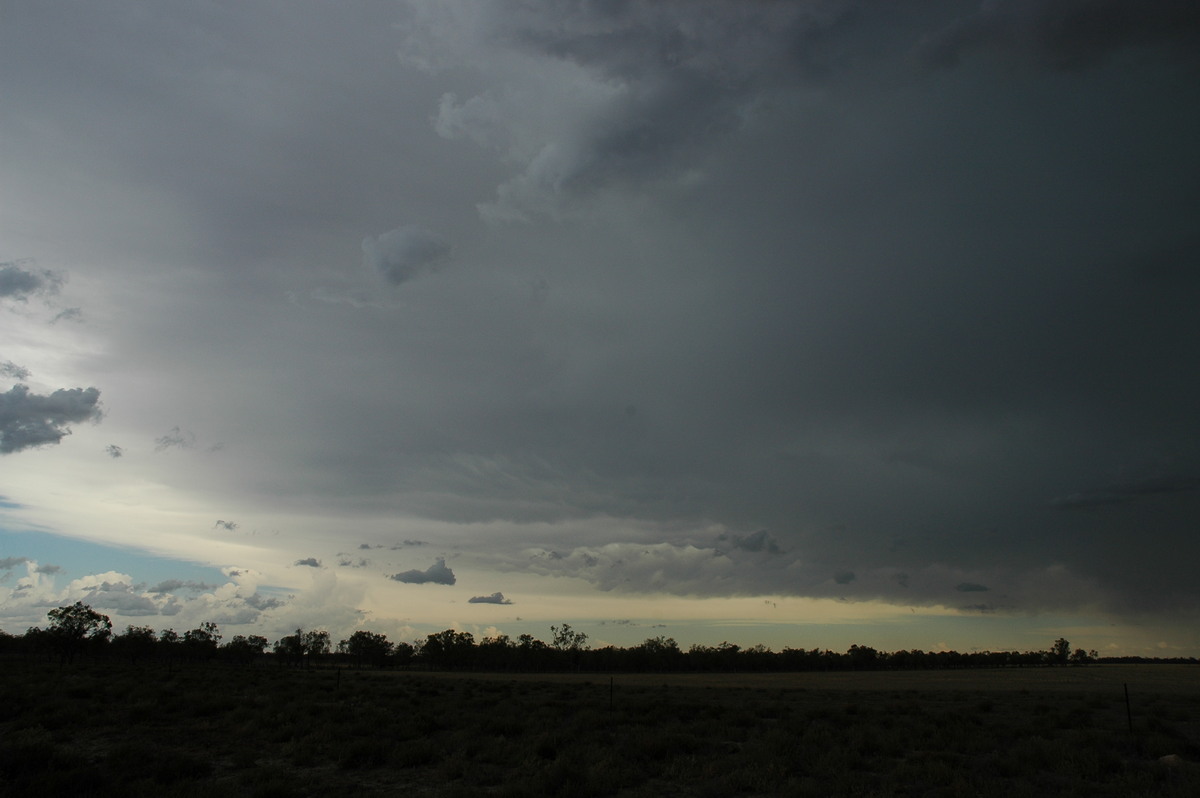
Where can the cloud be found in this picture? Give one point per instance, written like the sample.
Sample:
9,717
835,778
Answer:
19,283
228,526
1066,34
67,314
756,542
437,574
495,598
171,585
48,569
176,438
844,577
114,451
13,371
600,94
403,253
29,420
971,587
8,563
311,562
1129,491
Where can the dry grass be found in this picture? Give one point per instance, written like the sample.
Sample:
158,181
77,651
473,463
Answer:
104,730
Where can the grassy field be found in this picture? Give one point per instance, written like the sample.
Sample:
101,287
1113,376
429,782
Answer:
109,730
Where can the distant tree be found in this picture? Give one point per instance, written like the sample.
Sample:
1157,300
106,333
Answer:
448,649
1060,652
289,650
567,639
403,653
657,654
315,643
570,644
366,648
74,626
242,649
136,642
202,642
1081,657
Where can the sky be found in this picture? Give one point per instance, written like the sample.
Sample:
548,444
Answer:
803,323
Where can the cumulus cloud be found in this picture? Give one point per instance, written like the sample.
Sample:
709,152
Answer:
403,253
8,563
495,598
114,451
13,371
28,420
48,569
437,574
1066,34
311,562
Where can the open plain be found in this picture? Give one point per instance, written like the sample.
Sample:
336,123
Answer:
105,729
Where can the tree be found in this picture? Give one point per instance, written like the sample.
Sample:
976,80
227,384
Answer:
201,642
1060,652
290,648
74,626
243,650
448,649
567,639
135,642
367,647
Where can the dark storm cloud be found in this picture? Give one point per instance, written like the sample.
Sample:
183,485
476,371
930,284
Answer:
437,574
844,577
1067,34
311,562
29,420
403,253
495,598
970,587
667,79
897,310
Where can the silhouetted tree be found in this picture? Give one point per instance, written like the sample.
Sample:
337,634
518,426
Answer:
202,642
74,626
366,647
243,650
136,642
1060,652
449,649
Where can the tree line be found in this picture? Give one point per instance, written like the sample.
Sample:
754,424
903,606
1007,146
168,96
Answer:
77,631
